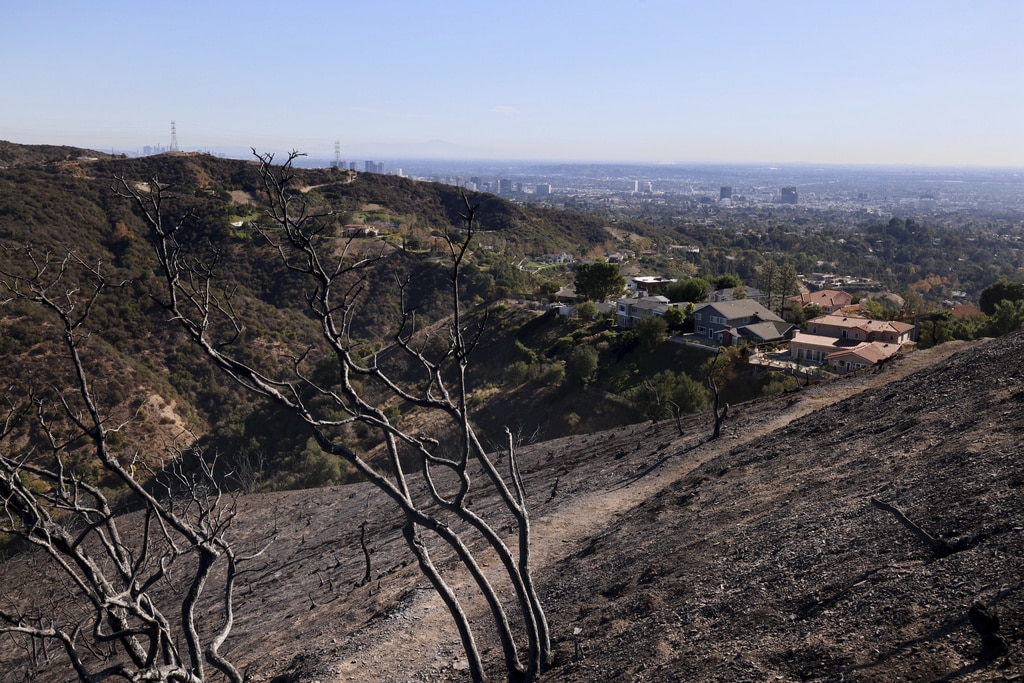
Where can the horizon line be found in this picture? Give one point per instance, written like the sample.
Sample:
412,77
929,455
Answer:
235,152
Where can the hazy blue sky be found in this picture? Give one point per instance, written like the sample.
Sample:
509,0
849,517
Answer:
858,81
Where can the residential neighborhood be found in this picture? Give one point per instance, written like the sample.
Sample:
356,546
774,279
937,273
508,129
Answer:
841,339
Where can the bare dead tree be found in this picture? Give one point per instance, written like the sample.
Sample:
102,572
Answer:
677,412
105,612
366,555
719,413
433,494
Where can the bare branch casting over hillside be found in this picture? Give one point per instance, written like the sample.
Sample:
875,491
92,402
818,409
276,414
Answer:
103,570
427,477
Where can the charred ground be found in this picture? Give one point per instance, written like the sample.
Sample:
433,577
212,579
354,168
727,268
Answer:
668,557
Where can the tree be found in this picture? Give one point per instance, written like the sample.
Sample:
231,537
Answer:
726,281
966,329
599,281
56,442
548,288
675,318
1007,317
769,282
689,396
719,412
1001,290
582,364
935,329
651,331
913,302
587,310
652,396
435,504
694,290
874,309
666,392
810,312
778,282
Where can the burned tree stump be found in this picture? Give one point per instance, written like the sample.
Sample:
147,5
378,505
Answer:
987,626
939,547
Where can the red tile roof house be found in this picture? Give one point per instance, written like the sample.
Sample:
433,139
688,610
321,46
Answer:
861,329
849,342
829,300
863,355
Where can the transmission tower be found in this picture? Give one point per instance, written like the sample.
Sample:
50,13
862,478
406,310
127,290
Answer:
174,137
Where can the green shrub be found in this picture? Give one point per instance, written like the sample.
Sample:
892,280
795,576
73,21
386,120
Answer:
553,374
517,373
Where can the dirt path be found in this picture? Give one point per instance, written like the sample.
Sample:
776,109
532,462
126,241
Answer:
559,534
419,643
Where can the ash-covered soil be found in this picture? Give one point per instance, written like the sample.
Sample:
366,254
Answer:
663,556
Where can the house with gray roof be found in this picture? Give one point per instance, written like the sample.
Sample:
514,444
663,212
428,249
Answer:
733,322
628,312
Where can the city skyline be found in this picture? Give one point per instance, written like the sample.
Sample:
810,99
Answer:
655,81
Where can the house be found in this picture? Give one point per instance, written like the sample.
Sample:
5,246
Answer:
815,348
360,230
965,311
566,293
849,342
731,322
644,285
628,312
828,300
729,294
861,329
863,355
562,257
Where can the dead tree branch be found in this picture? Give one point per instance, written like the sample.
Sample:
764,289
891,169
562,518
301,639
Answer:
938,547
719,413
104,568
337,278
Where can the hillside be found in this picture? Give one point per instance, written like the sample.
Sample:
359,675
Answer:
59,201
659,554
664,557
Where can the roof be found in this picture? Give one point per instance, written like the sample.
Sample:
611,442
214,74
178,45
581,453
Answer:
805,339
729,294
651,279
741,308
965,311
649,303
866,324
827,298
766,331
867,352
